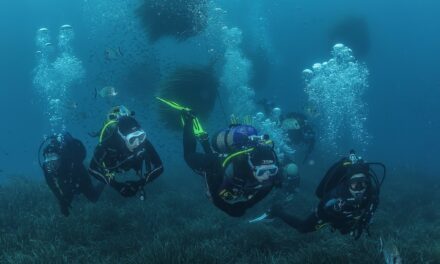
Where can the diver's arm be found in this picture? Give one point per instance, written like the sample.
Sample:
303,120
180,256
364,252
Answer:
364,222
79,151
152,158
52,182
370,210
126,189
333,204
96,168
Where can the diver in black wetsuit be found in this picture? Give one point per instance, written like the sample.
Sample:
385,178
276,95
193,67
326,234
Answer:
300,132
238,180
123,146
65,173
349,196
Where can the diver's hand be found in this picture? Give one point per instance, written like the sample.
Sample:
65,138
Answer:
336,205
147,177
130,188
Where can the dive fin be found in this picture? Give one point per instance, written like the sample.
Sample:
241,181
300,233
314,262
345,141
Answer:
173,104
262,218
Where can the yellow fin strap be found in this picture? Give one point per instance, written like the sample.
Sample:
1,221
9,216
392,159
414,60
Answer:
173,104
197,127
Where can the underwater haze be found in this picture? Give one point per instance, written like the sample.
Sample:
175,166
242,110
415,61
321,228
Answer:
368,69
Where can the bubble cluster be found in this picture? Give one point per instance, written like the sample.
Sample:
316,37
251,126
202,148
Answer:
235,77
65,38
241,97
56,71
336,87
270,125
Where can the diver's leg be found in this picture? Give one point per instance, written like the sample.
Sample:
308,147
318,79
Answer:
197,161
189,139
303,226
204,141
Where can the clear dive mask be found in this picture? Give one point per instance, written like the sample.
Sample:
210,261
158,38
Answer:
51,162
263,172
134,139
358,185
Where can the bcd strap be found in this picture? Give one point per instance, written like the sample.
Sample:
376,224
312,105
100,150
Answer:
104,129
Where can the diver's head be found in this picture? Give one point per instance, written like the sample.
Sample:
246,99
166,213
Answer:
131,132
119,111
357,185
291,171
263,162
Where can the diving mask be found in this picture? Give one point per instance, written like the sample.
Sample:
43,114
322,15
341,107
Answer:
358,185
51,162
134,139
263,172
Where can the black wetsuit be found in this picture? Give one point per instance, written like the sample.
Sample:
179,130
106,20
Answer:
112,157
220,182
304,135
339,210
71,177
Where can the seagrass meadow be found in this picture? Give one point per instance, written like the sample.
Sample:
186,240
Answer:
179,225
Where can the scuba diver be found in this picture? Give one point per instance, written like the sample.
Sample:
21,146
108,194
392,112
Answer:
291,180
239,167
300,132
123,146
65,173
349,196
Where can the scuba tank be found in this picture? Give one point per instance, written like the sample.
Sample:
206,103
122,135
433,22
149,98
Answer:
233,138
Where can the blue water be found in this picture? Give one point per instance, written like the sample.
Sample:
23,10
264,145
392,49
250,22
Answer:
402,98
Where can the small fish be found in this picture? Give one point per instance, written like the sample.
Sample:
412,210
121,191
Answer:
111,54
390,252
108,91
